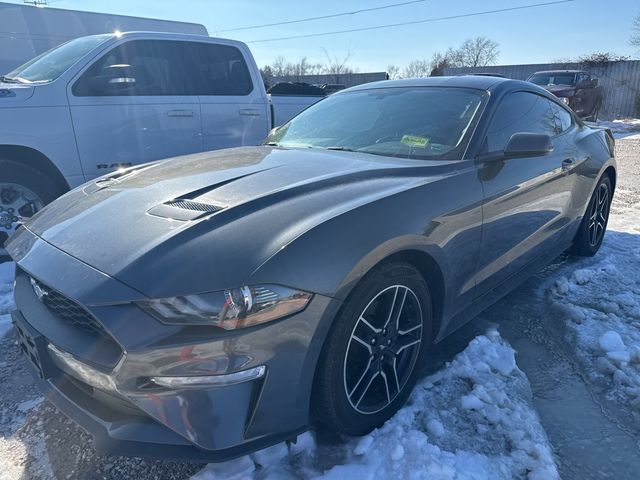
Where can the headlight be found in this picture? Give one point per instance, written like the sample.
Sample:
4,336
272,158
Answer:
565,100
229,309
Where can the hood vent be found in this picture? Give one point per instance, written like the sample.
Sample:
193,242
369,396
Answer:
187,204
184,209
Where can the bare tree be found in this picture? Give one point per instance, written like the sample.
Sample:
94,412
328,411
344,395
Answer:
337,66
478,52
393,72
597,58
440,61
635,32
417,68
280,66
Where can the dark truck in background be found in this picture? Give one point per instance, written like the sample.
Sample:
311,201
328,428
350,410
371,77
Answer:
576,88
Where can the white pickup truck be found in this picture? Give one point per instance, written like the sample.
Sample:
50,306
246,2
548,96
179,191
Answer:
103,102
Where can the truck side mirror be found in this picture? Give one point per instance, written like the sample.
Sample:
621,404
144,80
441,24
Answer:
114,79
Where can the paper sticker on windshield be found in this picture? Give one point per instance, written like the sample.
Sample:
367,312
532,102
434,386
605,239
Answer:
414,141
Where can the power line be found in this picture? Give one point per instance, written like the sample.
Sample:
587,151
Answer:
413,22
333,15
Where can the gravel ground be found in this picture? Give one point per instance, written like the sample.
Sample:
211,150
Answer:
38,442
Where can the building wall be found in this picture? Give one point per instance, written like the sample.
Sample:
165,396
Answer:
620,82
347,79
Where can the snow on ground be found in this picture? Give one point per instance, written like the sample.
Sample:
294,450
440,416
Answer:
623,128
601,303
6,296
472,420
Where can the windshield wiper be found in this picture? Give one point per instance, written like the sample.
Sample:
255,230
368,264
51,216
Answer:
341,149
5,79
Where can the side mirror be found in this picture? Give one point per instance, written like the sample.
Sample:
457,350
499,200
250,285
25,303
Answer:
114,79
521,145
528,145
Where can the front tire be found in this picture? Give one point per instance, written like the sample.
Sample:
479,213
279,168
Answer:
23,191
374,352
594,223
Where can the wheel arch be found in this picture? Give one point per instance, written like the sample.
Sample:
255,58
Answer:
424,260
37,160
610,171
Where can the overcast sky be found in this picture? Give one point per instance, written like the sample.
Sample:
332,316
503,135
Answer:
540,34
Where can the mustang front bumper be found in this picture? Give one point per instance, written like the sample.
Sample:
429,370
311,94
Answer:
257,381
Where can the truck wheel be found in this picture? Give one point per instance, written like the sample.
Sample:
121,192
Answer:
374,352
23,191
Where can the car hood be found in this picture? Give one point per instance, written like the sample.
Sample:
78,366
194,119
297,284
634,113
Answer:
207,221
14,93
560,90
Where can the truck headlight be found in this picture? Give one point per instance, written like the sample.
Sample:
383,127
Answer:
565,100
229,309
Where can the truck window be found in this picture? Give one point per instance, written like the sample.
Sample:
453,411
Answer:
49,65
138,67
222,70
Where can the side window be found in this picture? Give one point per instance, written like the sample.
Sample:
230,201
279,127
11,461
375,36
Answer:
222,70
520,112
138,67
562,118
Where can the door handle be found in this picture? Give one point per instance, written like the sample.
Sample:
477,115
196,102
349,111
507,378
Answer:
567,163
249,112
180,113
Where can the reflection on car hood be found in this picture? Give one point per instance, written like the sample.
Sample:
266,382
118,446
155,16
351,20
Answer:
560,90
260,197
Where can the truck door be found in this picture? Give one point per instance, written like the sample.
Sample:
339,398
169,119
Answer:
233,103
133,105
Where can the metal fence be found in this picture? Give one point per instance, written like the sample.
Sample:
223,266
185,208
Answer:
346,79
620,82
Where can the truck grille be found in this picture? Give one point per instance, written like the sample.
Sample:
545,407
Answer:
67,309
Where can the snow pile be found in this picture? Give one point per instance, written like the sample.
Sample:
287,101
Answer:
601,303
7,270
471,420
623,128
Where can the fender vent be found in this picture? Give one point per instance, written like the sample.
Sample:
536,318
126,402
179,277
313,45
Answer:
194,206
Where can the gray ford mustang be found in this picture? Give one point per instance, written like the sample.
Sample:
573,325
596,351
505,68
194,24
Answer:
206,306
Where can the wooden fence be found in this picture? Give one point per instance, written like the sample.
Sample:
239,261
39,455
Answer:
620,82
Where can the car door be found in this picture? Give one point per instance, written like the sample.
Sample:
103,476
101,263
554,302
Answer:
133,105
234,106
526,200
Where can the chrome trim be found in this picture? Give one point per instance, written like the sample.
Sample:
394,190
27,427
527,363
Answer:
74,367
202,381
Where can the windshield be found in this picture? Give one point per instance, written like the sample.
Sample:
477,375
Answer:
407,122
549,79
49,65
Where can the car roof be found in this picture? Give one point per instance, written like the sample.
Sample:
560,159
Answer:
560,71
479,82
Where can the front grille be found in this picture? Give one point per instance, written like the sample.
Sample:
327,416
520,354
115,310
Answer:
67,309
195,206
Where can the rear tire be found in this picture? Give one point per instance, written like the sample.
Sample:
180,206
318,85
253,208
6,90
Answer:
374,352
23,191
594,223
